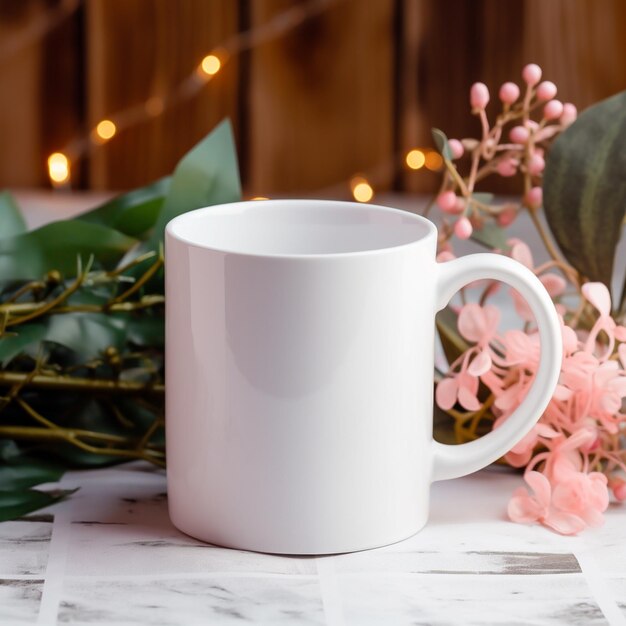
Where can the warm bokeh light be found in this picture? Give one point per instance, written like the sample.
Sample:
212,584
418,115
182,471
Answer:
259,198
361,190
415,159
105,130
433,161
58,169
210,65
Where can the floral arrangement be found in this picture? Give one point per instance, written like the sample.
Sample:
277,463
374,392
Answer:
573,168
82,328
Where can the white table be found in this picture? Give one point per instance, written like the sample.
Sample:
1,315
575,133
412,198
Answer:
109,555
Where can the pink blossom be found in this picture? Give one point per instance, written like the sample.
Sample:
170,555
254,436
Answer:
507,167
546,90
479,96
519,134
534,198
456,147
553,110
531,74
509,93
463,228
447,201
569,114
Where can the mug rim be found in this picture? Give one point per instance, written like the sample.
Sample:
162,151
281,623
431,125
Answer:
431,229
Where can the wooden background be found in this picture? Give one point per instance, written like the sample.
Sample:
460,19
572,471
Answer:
347,91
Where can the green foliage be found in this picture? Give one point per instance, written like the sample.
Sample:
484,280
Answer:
441,141
82,349
584,188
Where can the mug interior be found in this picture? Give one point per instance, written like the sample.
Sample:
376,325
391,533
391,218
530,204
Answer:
299,227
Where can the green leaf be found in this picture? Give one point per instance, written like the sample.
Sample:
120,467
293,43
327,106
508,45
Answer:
451,341
585,188
87,334
441,141
15,341
206,175
147,331
57,246
11,219
133,213
491,236
16,503
27,474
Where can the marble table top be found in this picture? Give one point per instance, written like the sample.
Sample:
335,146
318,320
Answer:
109,555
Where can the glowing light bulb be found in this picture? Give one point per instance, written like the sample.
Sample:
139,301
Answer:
210,65
105,130
58,169
415,159
433,161
361,190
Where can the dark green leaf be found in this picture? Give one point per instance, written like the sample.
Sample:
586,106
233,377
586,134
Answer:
57,246
20,502
491,236
451,341
11,219
206,175
27,474
19,337
133,213
441,141
585,188
147,331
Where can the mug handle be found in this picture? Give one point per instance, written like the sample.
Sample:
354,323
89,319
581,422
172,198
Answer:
452,461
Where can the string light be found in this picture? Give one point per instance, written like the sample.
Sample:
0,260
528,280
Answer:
361,190
259,198
433,161
105,130
58,169
415,159
210,65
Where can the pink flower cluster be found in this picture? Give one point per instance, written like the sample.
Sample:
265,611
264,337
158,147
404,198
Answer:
575,444
523,153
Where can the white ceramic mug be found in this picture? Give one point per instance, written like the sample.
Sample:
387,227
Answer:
299,371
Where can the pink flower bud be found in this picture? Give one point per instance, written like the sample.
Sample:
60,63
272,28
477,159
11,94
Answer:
463,228
534,198
519,134
508,215
569,114
553,110
445,255
507,167
509,93
456,147
447,201
536,164
531,74
546,90
479,96
460,204
618,486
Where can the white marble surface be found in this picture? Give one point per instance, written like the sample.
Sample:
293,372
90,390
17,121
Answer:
109,555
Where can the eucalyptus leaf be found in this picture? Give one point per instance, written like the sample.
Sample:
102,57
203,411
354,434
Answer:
585,188
134,213
206,175
441,141
57,246
491,236
15,503
18,338
11,219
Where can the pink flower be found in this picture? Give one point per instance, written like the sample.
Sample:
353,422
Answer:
463,228
531,74
456,147
570,506
534,198
526,508
519,134
553,110
509,93
546,90
479,96
569,114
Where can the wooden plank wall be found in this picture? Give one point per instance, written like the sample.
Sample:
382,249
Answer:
347,91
